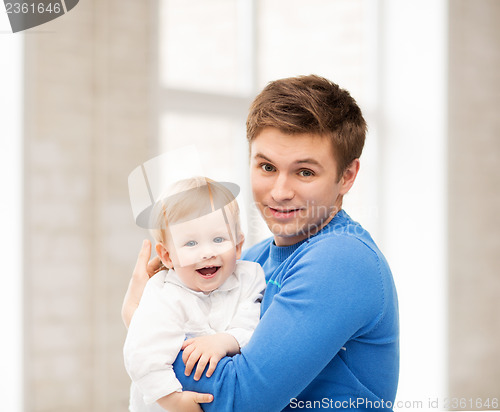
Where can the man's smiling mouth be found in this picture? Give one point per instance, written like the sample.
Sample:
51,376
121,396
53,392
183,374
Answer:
284,212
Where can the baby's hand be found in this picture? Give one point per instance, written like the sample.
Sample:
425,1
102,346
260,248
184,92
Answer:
207,349
184,401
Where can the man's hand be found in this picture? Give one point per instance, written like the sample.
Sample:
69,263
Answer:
207,349
185,401
142,272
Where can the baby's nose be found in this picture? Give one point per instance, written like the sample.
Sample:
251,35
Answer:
207,252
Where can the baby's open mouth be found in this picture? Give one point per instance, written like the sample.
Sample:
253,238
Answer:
208,272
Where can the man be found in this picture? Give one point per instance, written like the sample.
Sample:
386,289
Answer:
329,334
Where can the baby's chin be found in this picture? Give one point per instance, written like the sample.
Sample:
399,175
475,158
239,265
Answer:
209,285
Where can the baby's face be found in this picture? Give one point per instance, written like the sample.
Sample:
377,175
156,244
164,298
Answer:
203,252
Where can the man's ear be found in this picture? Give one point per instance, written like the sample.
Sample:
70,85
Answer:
164,256
349,176
239,245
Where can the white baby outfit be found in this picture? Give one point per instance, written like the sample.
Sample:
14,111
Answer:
169,312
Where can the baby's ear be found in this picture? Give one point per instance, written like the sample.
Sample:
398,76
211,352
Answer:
239,245
164,256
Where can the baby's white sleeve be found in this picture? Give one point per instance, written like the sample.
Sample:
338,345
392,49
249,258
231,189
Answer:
247,315
154,339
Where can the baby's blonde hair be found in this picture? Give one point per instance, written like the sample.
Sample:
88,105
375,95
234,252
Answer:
189,199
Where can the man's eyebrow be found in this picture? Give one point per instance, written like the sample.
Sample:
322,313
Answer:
263,157
309,160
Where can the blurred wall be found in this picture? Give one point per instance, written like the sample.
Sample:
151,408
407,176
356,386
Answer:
474,199
89,113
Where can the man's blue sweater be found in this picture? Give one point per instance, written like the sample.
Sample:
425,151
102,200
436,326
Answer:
329,330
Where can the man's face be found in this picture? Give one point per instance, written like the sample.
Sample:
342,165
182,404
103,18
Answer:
202,251
294,183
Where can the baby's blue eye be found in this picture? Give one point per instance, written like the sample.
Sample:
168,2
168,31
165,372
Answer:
218,239
191,243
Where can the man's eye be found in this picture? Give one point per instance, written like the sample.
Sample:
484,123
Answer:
266,167
218,239
306,173
191,243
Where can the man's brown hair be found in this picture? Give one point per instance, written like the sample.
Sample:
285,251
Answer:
311,104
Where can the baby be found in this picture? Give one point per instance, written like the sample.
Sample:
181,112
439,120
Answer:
206,295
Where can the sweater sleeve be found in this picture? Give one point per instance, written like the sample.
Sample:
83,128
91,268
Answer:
330,293
154,339
247,313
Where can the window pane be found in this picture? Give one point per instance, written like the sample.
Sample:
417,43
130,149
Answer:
199,45
319,36
218,140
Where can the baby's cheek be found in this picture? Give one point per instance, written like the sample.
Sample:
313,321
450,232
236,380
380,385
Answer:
188,258
226,249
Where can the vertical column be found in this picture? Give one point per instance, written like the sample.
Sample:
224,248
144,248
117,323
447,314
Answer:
88,122
125,136
58,197
474,199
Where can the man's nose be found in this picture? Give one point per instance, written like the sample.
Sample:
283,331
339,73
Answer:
282,189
